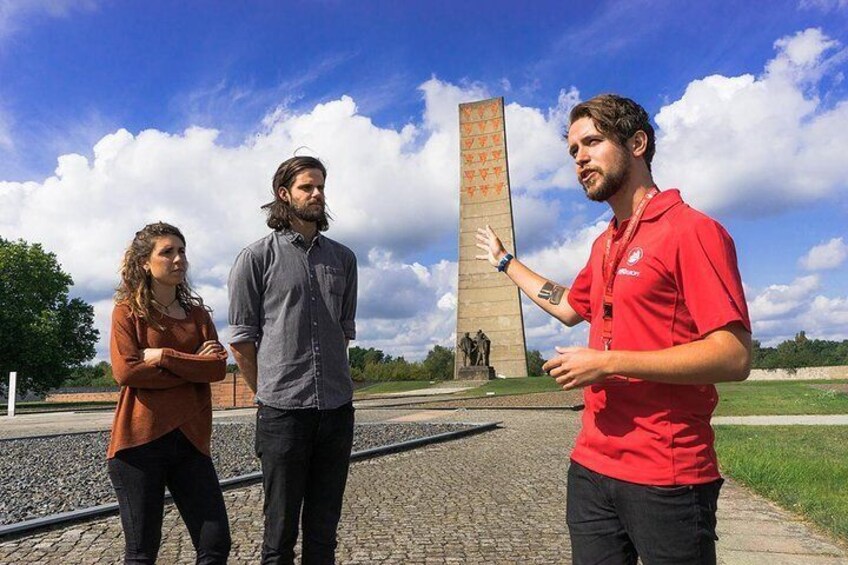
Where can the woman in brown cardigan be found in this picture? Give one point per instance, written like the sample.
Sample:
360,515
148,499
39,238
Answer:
165,352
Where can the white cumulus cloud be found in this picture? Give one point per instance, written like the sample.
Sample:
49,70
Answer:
827,255
393,193
755,144
779,301
780,311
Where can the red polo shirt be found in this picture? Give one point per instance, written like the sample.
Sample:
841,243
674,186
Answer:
677,281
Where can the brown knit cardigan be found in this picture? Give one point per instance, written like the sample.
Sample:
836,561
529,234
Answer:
174,394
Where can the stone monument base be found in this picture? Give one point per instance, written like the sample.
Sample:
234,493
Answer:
476,373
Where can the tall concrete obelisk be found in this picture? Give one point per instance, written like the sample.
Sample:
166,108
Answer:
487,300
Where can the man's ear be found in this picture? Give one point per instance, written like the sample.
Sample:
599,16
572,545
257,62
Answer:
638,143
283,194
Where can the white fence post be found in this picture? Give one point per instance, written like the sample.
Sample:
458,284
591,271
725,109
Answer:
13,385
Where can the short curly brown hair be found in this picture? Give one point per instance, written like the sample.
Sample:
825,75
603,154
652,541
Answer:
618,118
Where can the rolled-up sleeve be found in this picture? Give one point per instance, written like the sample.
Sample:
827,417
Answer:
348,319
245,293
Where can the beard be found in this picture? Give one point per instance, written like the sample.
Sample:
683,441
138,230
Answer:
314,213
606,183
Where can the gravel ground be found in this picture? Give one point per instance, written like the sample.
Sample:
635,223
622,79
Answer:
44,476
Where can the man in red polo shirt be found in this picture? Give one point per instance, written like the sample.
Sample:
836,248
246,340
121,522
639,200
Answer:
668,320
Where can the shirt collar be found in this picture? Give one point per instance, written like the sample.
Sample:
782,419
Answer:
658,206
661,203
296,237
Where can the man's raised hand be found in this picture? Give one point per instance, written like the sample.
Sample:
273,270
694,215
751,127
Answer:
488,241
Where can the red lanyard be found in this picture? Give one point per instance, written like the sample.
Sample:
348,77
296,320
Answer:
610,264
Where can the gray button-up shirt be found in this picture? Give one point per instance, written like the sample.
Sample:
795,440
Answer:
297,302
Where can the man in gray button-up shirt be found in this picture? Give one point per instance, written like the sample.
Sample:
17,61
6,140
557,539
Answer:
292,308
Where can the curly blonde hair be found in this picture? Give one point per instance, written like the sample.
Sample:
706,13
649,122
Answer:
135,290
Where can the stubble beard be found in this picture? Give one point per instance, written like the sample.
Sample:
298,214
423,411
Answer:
608,182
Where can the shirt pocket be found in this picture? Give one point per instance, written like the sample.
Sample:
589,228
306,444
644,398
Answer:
333,283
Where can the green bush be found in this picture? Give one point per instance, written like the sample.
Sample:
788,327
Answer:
439,363
396,370
534,363
91,375
374,365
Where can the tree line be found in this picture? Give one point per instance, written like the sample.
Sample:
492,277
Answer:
800,352
374,365
365,365
370,364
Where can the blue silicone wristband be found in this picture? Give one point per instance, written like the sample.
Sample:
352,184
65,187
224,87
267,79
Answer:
504,262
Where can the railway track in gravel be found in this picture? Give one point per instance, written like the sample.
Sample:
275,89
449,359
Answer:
59,520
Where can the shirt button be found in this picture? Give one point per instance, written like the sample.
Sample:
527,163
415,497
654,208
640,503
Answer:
314,323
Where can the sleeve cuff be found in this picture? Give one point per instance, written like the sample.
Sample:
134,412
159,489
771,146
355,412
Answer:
577,307
167,353
239,334
349,329
720,322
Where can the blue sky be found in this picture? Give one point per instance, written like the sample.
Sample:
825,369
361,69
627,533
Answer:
116,114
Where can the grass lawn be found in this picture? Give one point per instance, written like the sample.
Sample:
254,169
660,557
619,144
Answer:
524,385
393,386
802,468
779,397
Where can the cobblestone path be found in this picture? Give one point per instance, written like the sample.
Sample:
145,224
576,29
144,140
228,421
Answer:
493,498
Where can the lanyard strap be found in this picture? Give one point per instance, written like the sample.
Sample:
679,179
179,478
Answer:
610,264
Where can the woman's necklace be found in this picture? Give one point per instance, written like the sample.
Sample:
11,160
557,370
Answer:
163,307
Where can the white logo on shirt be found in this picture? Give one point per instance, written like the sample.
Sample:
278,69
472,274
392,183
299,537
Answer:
635,255
627,272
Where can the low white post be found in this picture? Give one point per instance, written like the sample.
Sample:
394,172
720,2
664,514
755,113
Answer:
13,385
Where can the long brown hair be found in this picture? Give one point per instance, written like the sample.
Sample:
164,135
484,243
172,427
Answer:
134,289
278,210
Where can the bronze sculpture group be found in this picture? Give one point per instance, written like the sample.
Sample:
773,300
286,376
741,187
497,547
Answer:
475,351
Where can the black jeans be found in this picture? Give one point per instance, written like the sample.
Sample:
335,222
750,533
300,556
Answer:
613,522
305,457
140,475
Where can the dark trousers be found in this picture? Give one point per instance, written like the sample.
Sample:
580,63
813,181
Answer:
613,522
305,457
140,475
